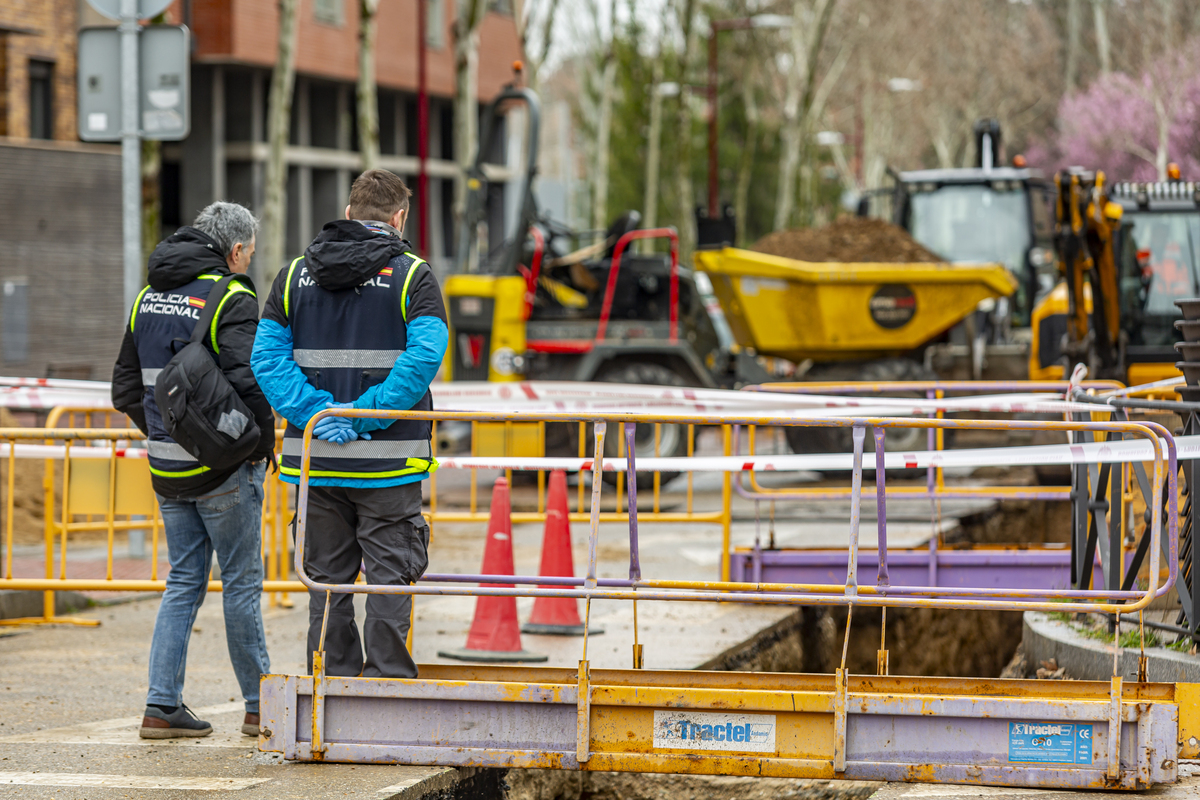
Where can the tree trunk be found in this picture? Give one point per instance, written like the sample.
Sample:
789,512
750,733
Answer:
466,115
683,133
653,149
368,99
151,196
604,133
547,40
523,12
741,194
1162,151
1103,43
1073,32
789,158
798,103
279,118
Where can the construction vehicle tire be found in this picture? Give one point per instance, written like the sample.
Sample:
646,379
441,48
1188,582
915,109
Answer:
672,441
840,440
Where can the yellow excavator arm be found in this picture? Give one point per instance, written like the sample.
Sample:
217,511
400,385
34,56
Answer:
1085,224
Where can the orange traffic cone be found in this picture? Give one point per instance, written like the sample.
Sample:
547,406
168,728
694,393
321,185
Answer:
494,635
557,616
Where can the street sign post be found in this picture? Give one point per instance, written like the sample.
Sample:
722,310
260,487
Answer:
133,84
144,9
163,88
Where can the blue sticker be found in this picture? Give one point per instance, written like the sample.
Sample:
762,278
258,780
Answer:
1049,743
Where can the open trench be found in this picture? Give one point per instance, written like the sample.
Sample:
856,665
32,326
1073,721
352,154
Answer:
920,642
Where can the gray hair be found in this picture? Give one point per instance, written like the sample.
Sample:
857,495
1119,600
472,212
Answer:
227,224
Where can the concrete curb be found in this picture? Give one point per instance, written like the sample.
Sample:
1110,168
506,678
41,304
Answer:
15,604
1088,659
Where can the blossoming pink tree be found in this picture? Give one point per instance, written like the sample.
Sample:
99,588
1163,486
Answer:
1132,127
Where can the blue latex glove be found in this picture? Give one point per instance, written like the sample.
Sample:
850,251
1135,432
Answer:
331,427
338,430
341,435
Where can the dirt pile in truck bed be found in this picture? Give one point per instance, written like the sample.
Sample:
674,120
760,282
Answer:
848,239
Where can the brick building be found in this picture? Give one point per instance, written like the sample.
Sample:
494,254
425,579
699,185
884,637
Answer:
37,68
225,156
61,199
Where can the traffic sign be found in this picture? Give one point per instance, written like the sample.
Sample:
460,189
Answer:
146,9
163,102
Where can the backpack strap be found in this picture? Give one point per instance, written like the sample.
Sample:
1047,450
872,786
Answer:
210,307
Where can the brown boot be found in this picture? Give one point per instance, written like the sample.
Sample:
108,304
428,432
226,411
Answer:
250,725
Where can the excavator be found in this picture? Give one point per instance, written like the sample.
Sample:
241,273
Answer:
1127,252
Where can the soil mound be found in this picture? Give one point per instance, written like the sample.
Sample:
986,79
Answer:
847,239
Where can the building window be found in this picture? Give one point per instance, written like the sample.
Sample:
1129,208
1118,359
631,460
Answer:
435,24
15,327
328,11
41,99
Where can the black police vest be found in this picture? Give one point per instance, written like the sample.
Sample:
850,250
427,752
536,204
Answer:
162,323
345,342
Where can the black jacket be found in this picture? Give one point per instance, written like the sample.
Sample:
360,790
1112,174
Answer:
177,261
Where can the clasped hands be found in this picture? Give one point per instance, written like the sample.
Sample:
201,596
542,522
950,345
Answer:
338,430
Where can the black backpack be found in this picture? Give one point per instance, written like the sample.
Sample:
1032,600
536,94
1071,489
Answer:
200,408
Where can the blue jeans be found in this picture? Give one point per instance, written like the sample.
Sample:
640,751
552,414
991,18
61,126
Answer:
229,521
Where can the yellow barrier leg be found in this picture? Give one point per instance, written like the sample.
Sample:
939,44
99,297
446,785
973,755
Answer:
49,617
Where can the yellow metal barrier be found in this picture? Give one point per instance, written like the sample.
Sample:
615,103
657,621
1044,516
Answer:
113,493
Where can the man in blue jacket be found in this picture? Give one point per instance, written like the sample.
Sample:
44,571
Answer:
358,321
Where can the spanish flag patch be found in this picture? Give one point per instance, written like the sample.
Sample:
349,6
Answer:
196,301
385,271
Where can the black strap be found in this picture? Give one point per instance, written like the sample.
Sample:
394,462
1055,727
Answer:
210,308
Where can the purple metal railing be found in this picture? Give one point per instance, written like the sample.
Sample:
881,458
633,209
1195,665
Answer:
1165,469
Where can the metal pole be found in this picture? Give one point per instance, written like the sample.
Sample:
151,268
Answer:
422,133
712,123
131,154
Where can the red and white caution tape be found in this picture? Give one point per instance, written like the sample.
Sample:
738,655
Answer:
77,451
1187,447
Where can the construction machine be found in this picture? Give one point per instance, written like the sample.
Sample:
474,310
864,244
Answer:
1128,251
529,299
988,213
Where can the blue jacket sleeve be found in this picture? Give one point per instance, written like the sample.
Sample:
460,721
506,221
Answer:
281,380
411,375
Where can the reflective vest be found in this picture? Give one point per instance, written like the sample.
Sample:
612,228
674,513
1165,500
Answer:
345,342
161,323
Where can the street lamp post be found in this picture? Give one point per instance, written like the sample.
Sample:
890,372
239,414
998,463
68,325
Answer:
741,23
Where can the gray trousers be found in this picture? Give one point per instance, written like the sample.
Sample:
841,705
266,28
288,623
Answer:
382,529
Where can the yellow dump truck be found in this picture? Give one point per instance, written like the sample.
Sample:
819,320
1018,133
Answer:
862,322
833,312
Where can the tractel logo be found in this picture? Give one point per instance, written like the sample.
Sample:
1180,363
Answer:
1042,729
714,731
727,732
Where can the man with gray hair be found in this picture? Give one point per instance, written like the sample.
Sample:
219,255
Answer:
204,510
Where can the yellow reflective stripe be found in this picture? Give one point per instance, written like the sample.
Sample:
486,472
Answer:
407,280
234,288
136,303
185,474
429,466
209,277
287,289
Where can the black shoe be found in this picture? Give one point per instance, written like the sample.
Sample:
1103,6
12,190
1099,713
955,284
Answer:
181,722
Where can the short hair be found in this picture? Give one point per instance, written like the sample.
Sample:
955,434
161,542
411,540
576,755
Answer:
227,224
377,195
